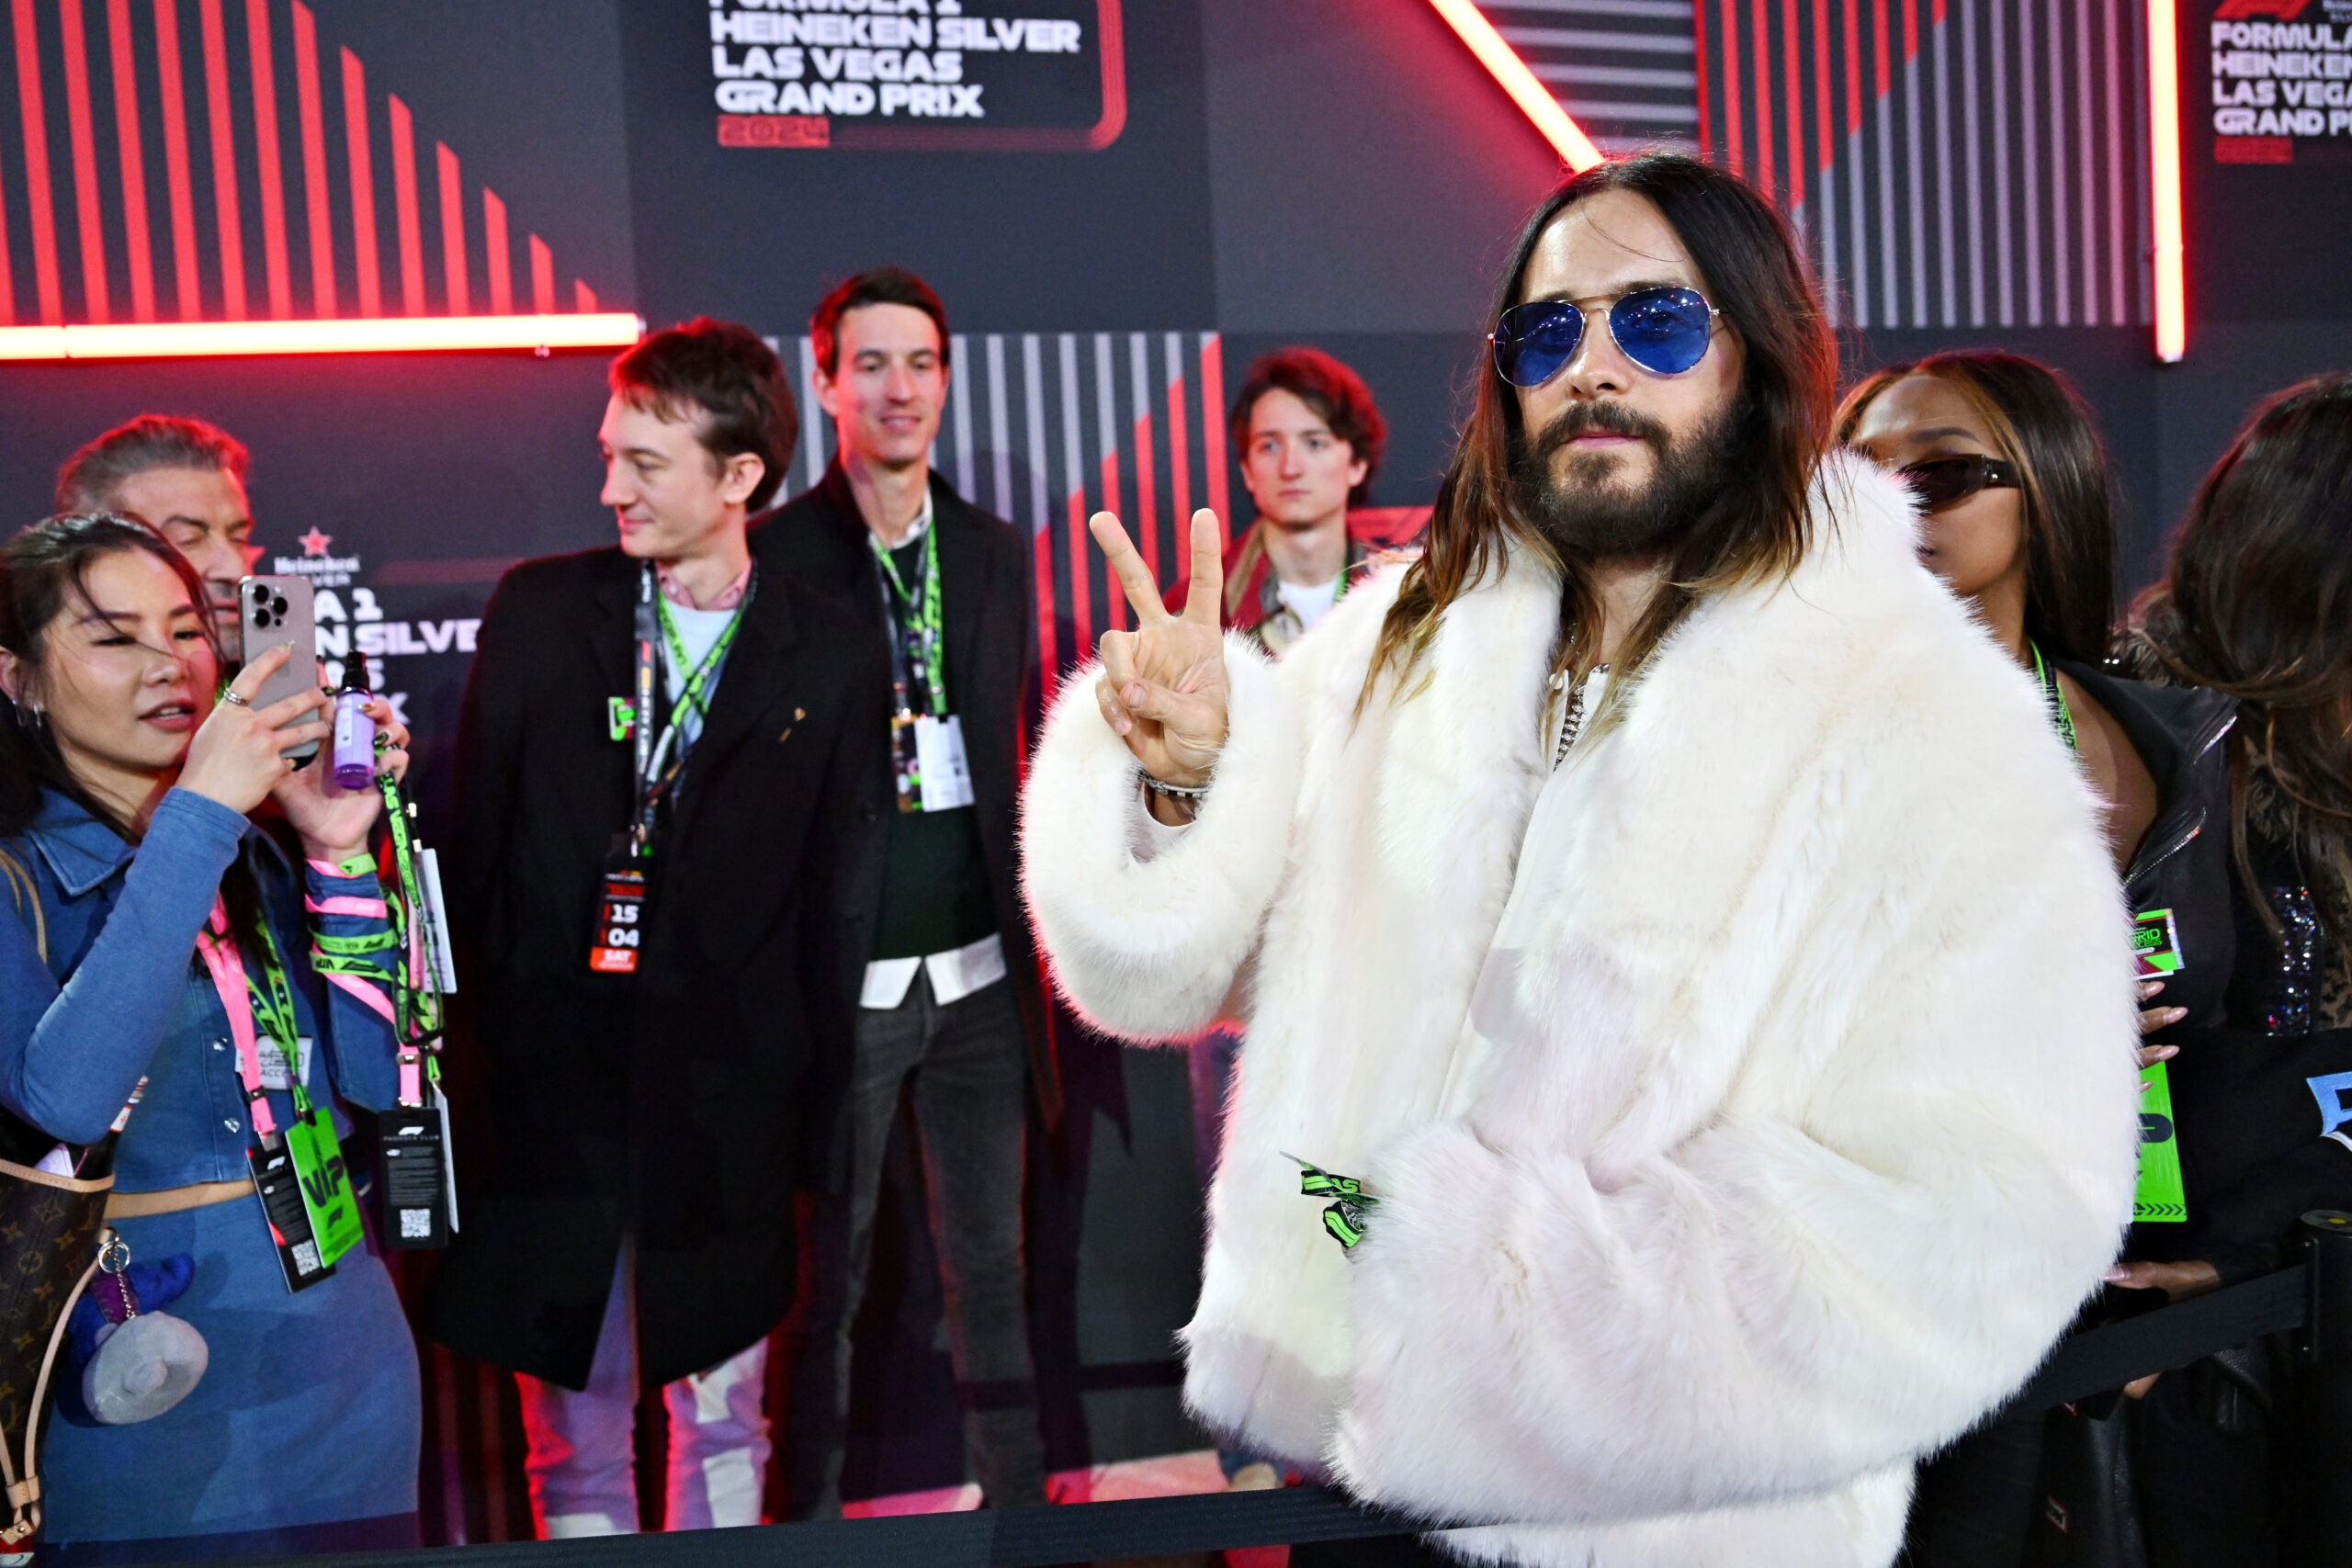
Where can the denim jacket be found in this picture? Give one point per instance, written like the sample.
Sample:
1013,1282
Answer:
123,995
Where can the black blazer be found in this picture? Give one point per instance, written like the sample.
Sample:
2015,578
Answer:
820,539
680,1102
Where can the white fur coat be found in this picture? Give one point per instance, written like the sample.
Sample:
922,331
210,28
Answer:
1824,1121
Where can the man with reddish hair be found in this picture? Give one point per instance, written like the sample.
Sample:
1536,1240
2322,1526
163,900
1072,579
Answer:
1311,439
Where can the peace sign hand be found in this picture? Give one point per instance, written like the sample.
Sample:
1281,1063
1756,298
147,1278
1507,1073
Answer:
1163,685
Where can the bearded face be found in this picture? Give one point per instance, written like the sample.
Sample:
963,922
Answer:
1603,482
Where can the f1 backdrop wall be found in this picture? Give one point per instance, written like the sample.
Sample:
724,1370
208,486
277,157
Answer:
1122,202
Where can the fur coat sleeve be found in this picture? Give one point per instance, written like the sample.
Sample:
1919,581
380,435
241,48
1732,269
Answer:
1150,949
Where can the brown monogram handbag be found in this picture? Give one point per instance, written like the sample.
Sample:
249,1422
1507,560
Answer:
51,1231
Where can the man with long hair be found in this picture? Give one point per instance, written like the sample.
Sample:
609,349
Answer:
1751,1099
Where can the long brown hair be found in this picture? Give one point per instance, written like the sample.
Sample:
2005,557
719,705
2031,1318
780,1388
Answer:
1752,531
2041,423
2257,602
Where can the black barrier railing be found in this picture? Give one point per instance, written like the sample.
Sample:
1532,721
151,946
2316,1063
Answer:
2315,1297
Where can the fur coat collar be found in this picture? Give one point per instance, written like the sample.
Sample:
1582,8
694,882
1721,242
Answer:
1777,1151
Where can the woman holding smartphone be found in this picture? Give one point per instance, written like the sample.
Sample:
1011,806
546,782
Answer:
2018,520
159,947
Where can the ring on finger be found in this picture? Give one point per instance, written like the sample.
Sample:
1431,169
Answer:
234,698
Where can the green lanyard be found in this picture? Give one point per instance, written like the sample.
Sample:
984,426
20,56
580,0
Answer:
2059,715
923,629
696,693
274,1006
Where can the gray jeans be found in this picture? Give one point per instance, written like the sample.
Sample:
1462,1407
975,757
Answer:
969,1066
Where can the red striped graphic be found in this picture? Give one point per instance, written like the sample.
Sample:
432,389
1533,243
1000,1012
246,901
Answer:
276,271
411,238
1789,78
187,284
1114,597
107,191
453,231
1043,548
1081,598
1213,428
85,159
1827,146
1763,96
1147,497
1877,46
314,160
1853,69
501,259
1732,130
133,160
1179,474
583,299
226,217
363,187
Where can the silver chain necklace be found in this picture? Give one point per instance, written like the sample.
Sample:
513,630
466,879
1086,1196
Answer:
1572,716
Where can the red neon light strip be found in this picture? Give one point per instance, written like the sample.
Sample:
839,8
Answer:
85,159
224,163
1212,433
273,165
1042,549
404,206
502,261
1699,43
314,160
453,230
183,339
133,160
542,276
1536,101
2163,179
185,284
363,185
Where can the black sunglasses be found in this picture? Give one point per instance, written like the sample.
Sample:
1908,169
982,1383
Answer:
1941,481
1664,331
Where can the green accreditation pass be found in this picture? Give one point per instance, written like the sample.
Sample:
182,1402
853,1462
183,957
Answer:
2156,945
326,1183
2159,1195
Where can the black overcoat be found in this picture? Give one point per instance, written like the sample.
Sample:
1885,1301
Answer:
680,1103
988,604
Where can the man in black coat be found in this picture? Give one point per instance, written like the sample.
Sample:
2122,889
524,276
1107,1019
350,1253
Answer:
938,958
660,748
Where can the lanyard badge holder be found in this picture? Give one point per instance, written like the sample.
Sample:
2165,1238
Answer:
2159,1196
617,934
299,1175
927,757
418,1183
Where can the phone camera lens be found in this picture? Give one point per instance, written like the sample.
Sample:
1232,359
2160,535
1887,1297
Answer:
277,606
261,617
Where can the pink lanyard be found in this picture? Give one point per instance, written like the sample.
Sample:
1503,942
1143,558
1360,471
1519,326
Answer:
220,956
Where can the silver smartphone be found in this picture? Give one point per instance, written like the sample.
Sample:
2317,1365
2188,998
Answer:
275,611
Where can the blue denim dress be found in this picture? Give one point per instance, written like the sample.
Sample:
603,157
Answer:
303,1433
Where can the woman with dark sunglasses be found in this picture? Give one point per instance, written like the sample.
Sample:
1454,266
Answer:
2018,512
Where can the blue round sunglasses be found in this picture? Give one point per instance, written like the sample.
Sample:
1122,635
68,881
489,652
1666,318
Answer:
1664,331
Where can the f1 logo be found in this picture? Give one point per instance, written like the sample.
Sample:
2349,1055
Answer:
2334,1093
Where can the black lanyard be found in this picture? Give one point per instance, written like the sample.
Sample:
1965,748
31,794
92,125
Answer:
660,761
